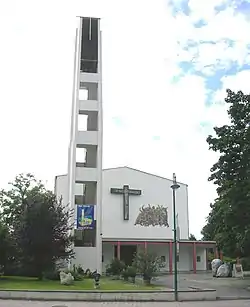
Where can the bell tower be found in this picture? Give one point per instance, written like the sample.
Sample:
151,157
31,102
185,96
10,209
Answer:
85,149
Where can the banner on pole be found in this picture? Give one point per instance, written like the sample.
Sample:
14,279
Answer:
85,217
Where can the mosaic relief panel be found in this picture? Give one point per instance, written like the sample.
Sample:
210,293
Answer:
152,216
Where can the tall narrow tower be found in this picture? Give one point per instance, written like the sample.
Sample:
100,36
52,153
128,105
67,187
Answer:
85,150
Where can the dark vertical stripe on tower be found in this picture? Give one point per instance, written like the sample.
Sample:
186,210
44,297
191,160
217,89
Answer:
89,45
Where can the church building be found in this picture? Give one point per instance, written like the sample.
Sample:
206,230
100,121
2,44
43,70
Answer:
137,214
117,211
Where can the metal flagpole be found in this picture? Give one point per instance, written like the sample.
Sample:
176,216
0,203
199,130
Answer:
174,187
90,29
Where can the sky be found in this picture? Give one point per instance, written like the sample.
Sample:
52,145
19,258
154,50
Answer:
166,66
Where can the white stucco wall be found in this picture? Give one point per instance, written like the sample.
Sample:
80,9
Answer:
61,188
108,254
86,257
185,258
155,190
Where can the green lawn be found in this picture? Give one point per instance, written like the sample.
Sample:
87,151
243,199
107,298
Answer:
24,283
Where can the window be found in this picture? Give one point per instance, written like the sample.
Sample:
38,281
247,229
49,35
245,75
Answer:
198,258
85,237
178,258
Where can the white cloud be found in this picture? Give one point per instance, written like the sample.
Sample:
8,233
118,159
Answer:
237,82
204,10
219,56
213,50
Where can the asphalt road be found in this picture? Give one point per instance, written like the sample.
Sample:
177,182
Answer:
240,303
225,287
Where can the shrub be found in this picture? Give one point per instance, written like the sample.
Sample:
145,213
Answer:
147,265
52,275
1,270
78,269
108,270
75,274
229,260
55,274
125,274
245,263
116,267
89,274
131,271
210,257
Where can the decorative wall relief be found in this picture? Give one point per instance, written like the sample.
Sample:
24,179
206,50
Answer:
152,216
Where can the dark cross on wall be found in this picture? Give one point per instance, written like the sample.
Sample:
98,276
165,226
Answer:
125,191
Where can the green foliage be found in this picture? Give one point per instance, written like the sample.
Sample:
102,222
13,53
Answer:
245,263
6,246
89,274
38,223
229,260
129,272
147,265
108,270
116,267
192,237
51,275
12,201
228,221
125,274
210,256
78,269
24,283
77,272
77,276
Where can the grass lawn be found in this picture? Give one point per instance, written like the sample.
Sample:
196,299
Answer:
25,283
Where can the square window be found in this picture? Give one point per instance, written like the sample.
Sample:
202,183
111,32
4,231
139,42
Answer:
198,258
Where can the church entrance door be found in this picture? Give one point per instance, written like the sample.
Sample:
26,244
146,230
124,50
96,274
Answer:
127,253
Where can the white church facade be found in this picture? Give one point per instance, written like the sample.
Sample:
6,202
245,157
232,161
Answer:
121,210
143,221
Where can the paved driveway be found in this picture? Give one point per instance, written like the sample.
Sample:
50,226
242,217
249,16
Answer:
225,287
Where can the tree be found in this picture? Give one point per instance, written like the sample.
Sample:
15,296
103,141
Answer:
39,224
12,201
5,246
228,222
147,265
216,230
209,230
192,237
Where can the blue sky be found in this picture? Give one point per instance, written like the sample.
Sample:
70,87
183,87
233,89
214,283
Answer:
166,66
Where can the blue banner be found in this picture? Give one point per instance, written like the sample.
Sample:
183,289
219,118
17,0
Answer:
85,217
